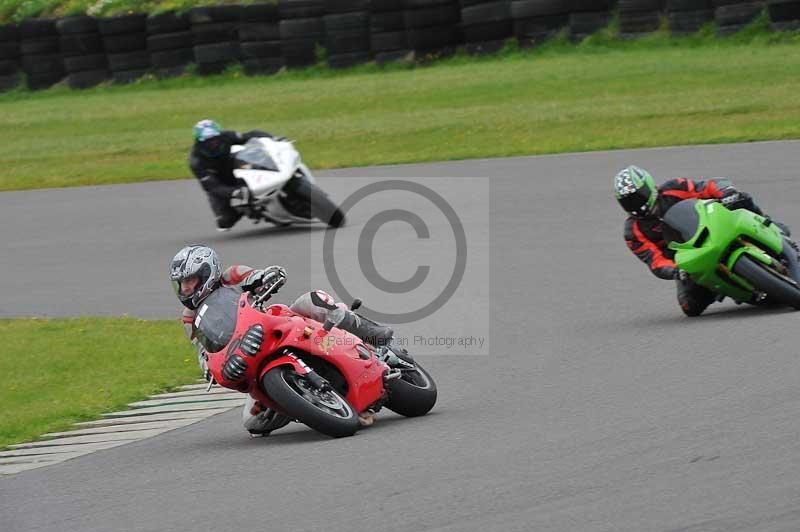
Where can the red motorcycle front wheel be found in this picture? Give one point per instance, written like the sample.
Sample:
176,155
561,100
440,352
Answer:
324,411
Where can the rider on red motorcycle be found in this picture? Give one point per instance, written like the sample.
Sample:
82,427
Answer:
195,273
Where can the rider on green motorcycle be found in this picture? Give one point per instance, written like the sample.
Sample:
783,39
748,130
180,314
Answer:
645,203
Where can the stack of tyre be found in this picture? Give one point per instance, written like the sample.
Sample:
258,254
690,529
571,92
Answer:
170,44
784,14
82,48
432,26
486,25
9,57
347,35
639,16
538,20
125,42
301,30
40,53
216,37
688,16
260,39
733,15
588,17
387,26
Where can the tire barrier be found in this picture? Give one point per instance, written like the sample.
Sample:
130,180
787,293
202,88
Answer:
347,36
260,39
301,30
170,44
216,40
588,17
688,16
387,27
784,14
432,27
125,43
9,57
264,38
40,56
486,25
639,16
536,21
85,61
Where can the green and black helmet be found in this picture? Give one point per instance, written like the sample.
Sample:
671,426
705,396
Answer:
636,191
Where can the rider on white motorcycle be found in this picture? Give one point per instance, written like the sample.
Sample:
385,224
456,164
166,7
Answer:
211,163
195,272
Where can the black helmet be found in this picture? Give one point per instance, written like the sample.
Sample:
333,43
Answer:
195,261
636,191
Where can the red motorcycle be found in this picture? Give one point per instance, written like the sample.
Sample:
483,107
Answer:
314,373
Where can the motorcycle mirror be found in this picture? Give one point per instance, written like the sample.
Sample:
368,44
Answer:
355,304
335,317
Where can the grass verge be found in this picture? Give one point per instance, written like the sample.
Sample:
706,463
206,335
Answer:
604,93
60,371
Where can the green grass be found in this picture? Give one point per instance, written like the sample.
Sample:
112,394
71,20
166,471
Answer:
19,10
604,93
61,371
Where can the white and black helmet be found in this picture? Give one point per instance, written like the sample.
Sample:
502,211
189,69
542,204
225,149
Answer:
196,260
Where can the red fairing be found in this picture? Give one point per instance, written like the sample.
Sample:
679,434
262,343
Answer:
284,342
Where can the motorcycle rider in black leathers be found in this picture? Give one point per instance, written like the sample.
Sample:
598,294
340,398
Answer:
212,164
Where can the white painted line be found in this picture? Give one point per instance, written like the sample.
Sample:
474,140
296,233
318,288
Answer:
124,427
63,449
200,393
191,414
194,399
90,438
37,461
194,387
229,403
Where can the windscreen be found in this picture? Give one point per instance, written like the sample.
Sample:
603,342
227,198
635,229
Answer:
254,156
216,318
682,220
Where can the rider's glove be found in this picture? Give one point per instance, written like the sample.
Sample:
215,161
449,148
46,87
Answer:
240,196
264,279
737,200
202,359
681,275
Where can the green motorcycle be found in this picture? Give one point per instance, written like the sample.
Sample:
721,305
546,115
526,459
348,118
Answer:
737,254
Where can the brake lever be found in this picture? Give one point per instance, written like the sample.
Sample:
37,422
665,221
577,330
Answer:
261,299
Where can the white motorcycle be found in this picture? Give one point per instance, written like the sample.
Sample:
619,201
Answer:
282,189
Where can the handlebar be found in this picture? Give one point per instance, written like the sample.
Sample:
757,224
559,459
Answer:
262,298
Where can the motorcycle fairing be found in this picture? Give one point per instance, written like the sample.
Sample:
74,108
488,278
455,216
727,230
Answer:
286,340
721,236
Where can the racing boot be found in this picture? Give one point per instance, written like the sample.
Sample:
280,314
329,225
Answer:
693,298
369,331
259,420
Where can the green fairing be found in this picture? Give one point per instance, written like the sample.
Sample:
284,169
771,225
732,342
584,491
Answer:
720,250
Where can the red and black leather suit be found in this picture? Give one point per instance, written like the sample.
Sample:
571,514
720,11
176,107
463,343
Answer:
645,240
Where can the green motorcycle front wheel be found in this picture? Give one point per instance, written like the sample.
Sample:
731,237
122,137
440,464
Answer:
764,278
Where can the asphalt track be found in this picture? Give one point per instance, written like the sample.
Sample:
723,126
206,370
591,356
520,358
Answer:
598,408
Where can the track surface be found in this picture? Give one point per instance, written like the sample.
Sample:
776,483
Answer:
601,408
